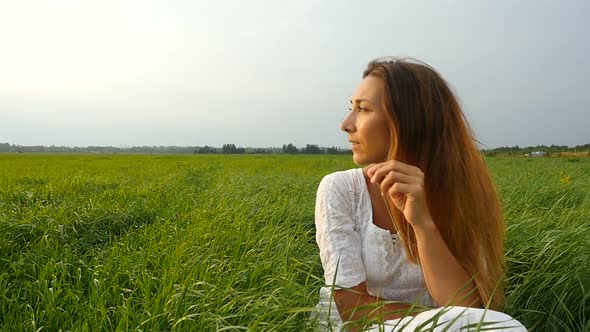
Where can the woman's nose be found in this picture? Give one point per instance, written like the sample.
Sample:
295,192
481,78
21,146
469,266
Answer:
347,125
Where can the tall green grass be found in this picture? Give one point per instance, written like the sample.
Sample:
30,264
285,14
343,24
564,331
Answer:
210,242
548,242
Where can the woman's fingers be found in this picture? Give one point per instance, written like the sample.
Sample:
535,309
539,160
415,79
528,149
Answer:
394,177
404,184
402,188
378,171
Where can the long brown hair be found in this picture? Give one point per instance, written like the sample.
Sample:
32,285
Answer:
430,131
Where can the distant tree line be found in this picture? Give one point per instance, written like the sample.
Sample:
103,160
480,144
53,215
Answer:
229,148
289,148
549,150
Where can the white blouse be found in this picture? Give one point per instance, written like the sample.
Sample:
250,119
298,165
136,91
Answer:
353,249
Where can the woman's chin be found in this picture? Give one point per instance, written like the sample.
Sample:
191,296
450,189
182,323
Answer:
363,160
359,160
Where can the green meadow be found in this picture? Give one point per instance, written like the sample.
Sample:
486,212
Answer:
227,242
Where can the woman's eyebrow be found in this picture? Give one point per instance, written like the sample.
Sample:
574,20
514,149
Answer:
359,100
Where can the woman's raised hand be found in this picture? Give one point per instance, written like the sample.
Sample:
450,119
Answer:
405,184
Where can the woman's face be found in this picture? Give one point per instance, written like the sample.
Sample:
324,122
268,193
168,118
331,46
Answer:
366,123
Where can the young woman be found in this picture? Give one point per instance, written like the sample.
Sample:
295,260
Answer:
420,225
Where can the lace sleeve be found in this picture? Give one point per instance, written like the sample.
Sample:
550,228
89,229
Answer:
339,243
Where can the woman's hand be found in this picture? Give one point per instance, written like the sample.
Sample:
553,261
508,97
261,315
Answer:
405,184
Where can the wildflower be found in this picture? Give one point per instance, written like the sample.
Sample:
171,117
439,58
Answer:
564,178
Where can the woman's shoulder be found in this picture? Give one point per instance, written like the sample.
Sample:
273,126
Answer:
342,180
343,188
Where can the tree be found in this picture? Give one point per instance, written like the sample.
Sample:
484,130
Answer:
312,149
229,148
333,150
205,149
290,149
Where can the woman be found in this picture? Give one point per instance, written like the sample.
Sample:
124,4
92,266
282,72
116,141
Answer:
420,225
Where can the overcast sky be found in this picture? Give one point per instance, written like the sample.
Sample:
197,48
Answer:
265,73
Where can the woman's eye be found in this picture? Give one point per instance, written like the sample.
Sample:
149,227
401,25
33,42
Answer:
360,109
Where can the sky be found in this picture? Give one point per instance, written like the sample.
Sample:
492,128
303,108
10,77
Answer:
264,73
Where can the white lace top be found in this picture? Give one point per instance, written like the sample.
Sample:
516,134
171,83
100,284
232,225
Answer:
353,249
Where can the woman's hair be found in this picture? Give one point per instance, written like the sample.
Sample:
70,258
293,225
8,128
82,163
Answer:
429,131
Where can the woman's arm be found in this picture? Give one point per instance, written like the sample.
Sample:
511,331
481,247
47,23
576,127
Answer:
356,305
447,282
445,278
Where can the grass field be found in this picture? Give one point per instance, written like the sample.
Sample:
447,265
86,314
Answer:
212,242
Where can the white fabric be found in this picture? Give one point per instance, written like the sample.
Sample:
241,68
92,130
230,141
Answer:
353,249
452,319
